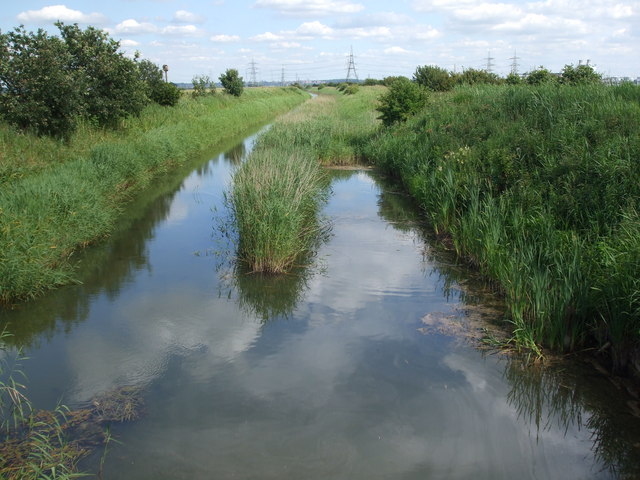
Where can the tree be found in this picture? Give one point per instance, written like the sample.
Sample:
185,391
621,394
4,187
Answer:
165,94
403,99
580,75
232,82
158,91
108,81
434,78
539,76
202,86
472,76
37,89
513,79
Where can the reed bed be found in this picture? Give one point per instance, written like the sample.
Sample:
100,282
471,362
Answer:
67,195
539,187
275,201
277,193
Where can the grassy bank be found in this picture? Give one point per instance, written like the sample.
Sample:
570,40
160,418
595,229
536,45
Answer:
56,197
539,187
278,191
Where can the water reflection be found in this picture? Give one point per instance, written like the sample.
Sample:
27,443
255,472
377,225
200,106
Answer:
557,396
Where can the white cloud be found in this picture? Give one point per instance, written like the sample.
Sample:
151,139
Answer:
267,37
310,7
133,27
286,45
60,12
182,16
225,38
396,51
488,12
129,43
314,29
181,30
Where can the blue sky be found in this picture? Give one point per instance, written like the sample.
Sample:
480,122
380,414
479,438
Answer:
311,39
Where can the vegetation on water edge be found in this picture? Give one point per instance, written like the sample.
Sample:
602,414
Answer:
58,196
539,187
277,193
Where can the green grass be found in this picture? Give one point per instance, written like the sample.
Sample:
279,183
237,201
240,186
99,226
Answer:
58,197
538,187
333,127
277,193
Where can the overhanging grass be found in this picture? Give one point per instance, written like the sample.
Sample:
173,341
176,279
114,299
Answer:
539,188
58,204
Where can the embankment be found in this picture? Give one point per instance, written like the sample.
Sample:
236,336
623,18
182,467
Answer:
57,197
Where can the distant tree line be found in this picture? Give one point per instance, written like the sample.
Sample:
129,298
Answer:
48,83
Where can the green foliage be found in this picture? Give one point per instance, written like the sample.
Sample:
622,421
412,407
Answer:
232,82
537,187
403,99
433,78
472,76
48,82
370,82
275,201
513,79
75,191
387,81
351,89
582,74
540,76
165,94
202,86
109,82
37,89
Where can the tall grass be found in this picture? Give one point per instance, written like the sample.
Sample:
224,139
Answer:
70,194
539,187
333,127
275,200
277,193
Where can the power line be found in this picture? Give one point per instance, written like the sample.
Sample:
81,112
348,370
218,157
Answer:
351,66
490,60
514,63
253,74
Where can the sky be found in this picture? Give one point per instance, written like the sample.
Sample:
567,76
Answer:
309,40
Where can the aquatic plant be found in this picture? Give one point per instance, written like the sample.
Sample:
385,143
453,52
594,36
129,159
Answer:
538,187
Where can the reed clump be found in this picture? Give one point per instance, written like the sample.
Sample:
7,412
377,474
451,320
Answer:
539,187
275,200
56,197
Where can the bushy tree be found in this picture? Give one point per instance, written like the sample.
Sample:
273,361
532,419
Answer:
108,81
434,78
580,75
402,99
232,82
37,88
539,76
202,86
165,94
472,76
513,79
158,91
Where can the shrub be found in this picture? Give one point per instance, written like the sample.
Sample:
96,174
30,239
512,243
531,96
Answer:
232,82
513,79
202,86
165,94
579,75
108,81
471,76
403,99
38,90
539,76
351,89
434,78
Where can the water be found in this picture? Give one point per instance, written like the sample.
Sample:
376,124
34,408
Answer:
348,369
